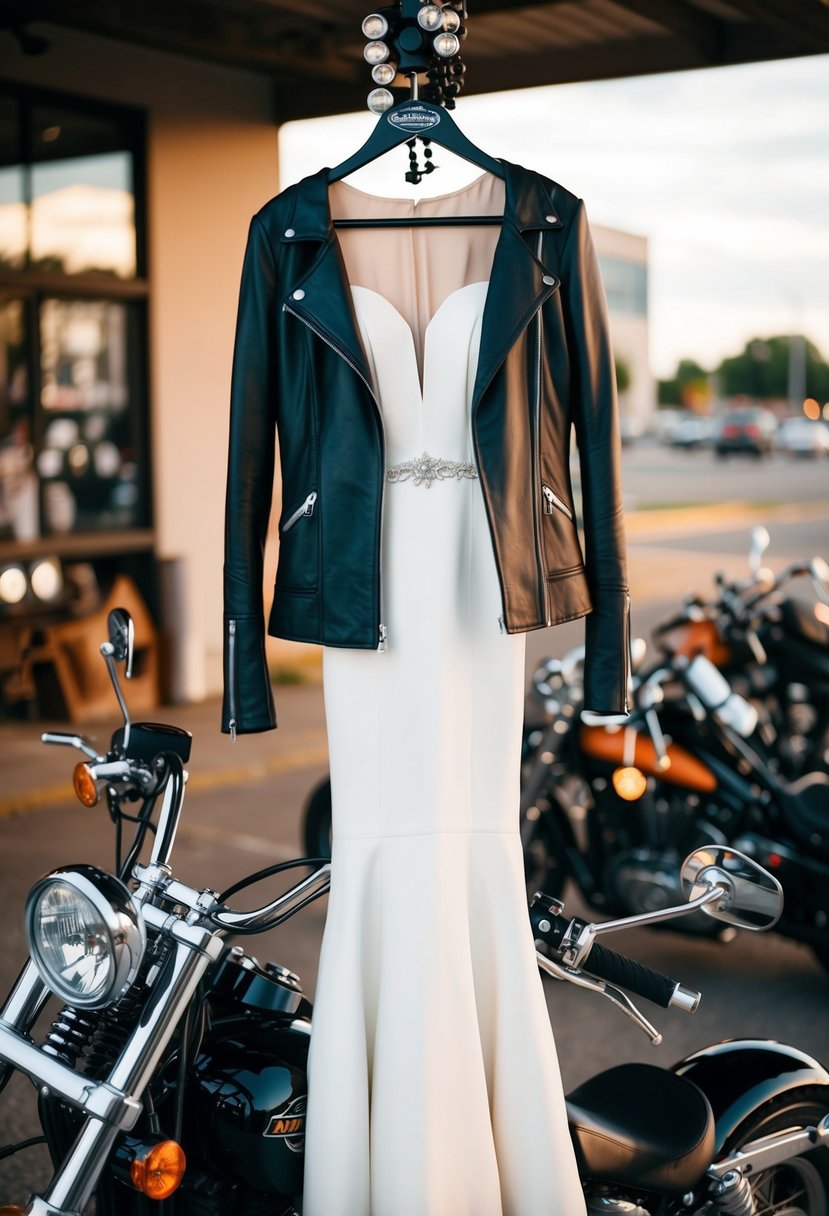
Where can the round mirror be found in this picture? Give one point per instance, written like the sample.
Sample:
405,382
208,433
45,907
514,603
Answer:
751,897
760,541
121,637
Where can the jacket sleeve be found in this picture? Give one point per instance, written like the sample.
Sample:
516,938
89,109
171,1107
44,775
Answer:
248,699
595,413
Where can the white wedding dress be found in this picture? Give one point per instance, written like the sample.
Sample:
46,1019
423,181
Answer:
434,1086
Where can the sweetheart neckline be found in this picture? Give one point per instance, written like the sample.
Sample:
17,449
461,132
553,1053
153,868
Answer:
420,372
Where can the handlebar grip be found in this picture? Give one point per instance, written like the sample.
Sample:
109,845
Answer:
627,973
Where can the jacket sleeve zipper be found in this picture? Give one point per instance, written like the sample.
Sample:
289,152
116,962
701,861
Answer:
551,500
307,508
382,632
627,654
231,677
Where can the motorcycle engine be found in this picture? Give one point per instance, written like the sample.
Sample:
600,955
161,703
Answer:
644,880
247,1093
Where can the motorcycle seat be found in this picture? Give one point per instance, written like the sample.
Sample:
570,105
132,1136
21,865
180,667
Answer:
805,805
799,620
638,1125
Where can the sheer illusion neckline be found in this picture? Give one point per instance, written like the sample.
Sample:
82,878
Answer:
412,344
413,202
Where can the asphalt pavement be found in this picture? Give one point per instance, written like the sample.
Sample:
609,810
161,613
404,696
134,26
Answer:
244,804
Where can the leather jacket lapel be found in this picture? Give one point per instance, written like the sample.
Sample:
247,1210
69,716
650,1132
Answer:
322,297
518,286
519,282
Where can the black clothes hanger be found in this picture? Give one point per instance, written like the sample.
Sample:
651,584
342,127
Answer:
396,126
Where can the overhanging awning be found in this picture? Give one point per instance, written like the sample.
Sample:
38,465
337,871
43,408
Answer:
313,50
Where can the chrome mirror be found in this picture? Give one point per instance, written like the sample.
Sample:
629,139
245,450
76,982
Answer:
750,897
121,638
638,650
819,570
119,649
760,541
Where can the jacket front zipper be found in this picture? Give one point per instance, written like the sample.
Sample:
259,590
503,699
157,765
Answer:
551,500
307,508
539,539
231,677
381,628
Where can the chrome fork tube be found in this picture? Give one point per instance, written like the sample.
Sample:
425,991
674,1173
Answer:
75,1181
26,999
23,1005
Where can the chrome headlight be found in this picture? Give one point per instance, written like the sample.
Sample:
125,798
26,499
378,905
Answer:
85,934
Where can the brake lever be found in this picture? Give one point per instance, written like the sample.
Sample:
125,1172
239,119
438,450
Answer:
572,975
72,741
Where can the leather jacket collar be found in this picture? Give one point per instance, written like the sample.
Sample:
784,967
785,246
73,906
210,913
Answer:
519,284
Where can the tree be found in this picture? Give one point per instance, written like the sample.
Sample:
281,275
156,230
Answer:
688,383
761,370
622,374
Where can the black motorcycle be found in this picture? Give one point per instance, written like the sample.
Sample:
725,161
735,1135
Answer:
772,647
616,808
173,1078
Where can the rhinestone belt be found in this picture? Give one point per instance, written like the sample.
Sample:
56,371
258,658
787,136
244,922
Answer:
425,469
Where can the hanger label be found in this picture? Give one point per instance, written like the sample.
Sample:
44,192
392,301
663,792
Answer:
413,117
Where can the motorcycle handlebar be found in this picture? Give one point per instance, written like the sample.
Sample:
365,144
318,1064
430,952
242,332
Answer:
627,973
560,935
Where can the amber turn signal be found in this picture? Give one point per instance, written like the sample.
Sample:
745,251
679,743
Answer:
11,1209
85,787
629,783
158,1172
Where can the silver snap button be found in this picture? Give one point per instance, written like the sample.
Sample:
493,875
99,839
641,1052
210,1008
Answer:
299,294
290,232
551,219
548,279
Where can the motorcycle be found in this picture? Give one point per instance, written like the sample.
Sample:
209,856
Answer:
615,808
175,1071
772,647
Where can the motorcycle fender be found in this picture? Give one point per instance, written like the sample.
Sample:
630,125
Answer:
740,1075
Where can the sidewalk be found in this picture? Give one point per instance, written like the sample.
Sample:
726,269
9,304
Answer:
36,775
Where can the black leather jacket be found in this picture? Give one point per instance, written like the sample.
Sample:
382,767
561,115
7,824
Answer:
299,369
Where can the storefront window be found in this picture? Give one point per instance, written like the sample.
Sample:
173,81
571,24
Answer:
73,410
88,449
18,481
12,188
81,194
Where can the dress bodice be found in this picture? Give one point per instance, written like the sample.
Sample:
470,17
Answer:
431,414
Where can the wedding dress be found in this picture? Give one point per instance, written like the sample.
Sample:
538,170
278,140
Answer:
434,1086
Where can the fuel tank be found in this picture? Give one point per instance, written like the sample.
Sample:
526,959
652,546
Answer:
247,1089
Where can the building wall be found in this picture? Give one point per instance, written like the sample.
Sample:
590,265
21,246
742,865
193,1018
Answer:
628,314
212,162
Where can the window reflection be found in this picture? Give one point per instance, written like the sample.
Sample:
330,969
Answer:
83,216
88,453
18,483
626,284
12,188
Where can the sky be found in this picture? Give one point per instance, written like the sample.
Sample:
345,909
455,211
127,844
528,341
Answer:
725,170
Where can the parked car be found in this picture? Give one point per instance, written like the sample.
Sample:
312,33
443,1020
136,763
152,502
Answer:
803,437
692,431
752,430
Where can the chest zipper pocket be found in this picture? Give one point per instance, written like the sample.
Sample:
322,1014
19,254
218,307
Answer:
552,500
307,508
